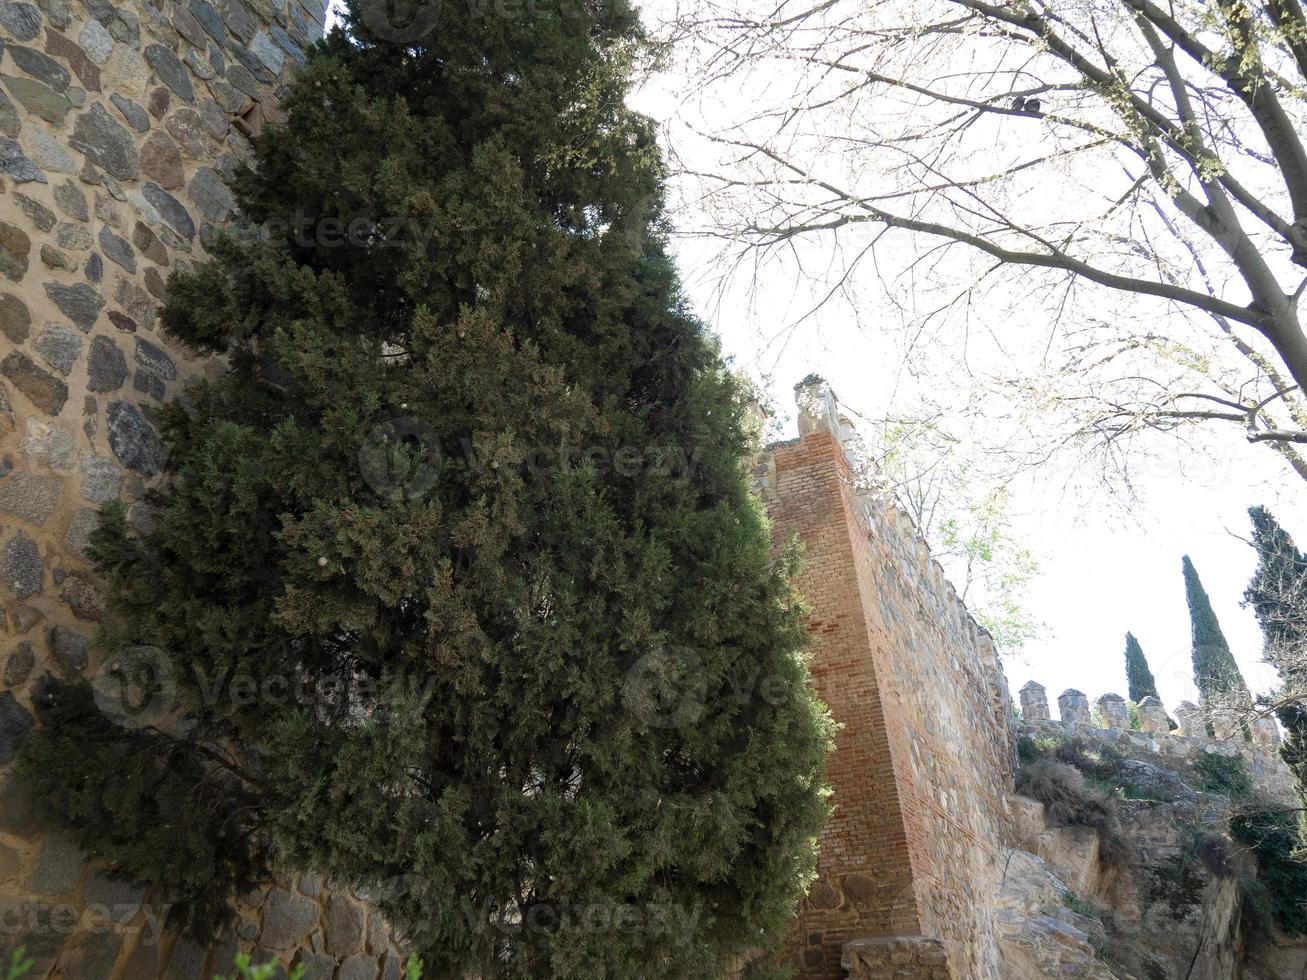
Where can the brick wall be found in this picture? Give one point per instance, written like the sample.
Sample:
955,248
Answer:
923,762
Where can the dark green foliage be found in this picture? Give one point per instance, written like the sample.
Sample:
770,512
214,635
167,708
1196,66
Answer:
1278,595
1281,884
1224,774
145,802
1138,677
444,621
1215,672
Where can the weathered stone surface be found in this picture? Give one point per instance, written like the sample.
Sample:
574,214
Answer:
96,42
148,243
136,301
83,67
42,388
92,955
19,664
71,201
48,152
40,215
117,898
210,19
135,115
268,52
187,960
106,367
228,98
170,209
215,120
287,44
60,346
15,320
83,597
251,63
357,968
343,927
188,27
22,20
15,723
80,303
38,99
48,443
122,321
239,20
154,282
9,121
149,384
287,918
73,236
160,102
314,966
170,71
162,161
107,143
199,65
58,867
240,78
16,163
58,13
189,130
69,649
211,195
117,250
15,247
94,268
29,497
55,259
133,439
77,537
155,360
102,480
40,66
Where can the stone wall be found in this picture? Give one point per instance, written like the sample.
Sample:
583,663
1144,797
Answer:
923,763
120,125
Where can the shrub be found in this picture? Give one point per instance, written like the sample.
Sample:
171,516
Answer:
1069,802
1225,775
1272,836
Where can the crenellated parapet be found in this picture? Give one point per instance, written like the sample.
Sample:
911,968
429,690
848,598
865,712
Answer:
1150,717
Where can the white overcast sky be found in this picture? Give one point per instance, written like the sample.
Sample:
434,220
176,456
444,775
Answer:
1105,567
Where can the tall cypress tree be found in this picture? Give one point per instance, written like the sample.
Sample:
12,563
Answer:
1138,677
1215,672
456,573
1278,595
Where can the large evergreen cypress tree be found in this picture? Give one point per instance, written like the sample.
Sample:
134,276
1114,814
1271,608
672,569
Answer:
1278,595
457,574
1215,672
1139,678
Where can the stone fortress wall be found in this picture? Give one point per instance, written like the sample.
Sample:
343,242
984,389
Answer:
910,864
1200,731
121,123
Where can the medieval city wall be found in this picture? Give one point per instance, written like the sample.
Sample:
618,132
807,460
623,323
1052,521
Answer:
923,765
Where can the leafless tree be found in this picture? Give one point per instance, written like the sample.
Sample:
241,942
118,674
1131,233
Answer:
1132,169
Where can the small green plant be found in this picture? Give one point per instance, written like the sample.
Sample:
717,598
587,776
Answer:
1078,905
267,971
1224,775
18,965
